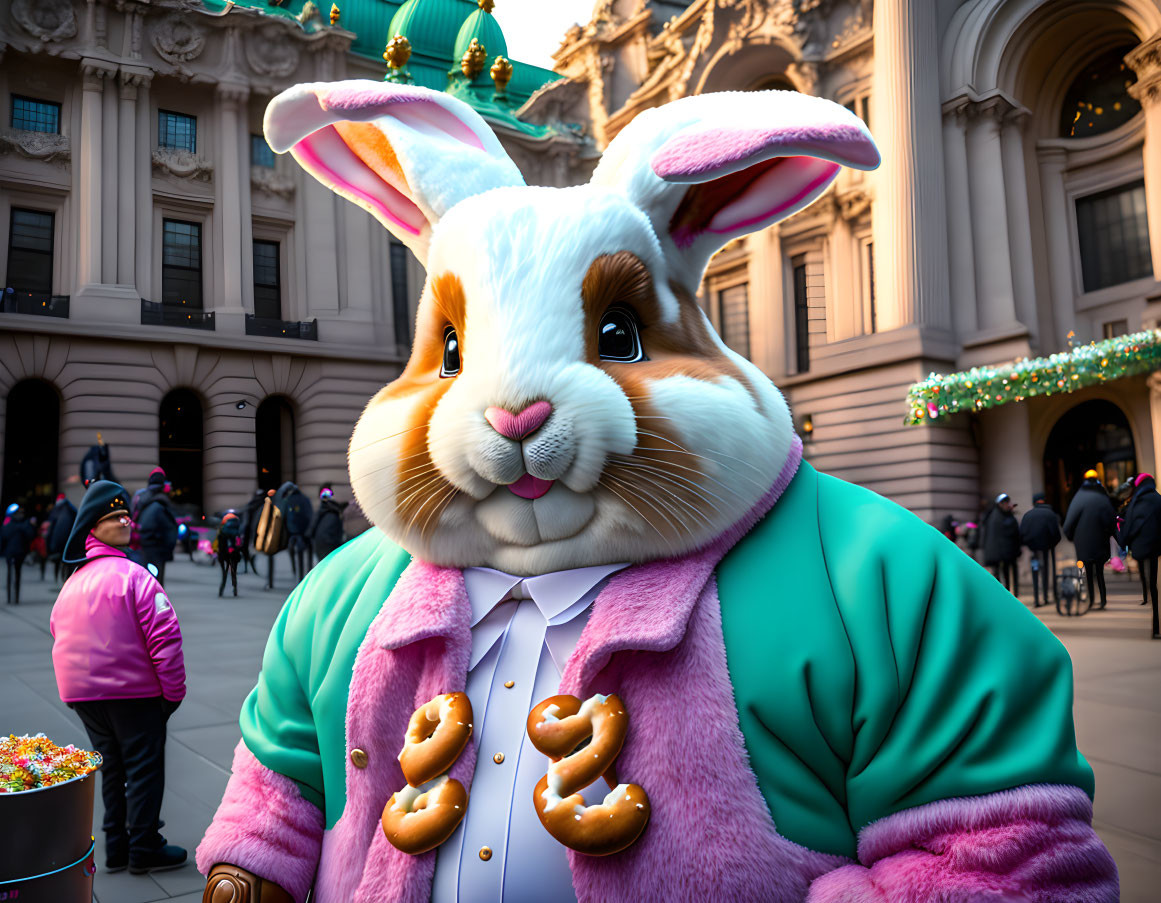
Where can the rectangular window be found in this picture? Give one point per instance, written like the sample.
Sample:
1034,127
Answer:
30,245
1114,328
400,303
801,317
260,152
33,115
1114,236
181,264
177,131
267,286
734,314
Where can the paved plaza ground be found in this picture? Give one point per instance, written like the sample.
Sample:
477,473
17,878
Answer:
1118,714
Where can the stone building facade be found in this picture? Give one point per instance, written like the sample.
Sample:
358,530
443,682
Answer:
170,283
1017,210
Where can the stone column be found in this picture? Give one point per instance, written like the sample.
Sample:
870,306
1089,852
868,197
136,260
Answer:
1146,62
227,197
990,239
961,255
126,237
910,214
1052,163
90,172
143,180
1019,221
1155,416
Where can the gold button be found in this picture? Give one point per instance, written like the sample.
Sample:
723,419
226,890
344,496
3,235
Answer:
358,758
498,758
509,684
485,853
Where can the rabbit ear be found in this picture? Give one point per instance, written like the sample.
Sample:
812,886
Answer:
405,154
708,168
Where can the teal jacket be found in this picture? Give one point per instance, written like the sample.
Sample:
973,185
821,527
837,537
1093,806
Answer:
875,668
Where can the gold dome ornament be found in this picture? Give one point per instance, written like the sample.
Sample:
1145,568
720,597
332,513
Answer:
335,13
486,5
398,52
474,59
501,72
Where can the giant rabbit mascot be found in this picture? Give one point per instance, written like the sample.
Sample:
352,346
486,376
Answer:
610,637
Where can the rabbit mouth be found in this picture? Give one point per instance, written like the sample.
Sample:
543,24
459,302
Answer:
530,487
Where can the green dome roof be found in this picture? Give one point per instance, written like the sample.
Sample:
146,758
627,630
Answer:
430,25
484,28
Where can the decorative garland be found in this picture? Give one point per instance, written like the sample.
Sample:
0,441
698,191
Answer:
938,397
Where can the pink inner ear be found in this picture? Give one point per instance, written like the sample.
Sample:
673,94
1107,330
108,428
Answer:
346,174
750,198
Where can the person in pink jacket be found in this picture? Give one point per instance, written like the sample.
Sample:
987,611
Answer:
118,662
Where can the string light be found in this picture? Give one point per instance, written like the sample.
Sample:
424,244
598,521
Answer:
939,396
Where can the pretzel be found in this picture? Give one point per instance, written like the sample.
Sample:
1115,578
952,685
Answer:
416,820
436,735
424,814
557,727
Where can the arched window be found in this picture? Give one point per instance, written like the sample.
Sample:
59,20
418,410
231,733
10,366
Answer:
274,442
1098,99
179,447
1094,434
31,437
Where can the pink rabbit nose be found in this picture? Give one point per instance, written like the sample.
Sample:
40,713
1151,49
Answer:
517,426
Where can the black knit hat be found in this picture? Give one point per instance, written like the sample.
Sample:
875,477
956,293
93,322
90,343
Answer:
101,498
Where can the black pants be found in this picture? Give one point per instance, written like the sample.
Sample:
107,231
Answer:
229,565
299,550
1148,568
14,566
270,572
1005,572
130,736
1043,575
1095,570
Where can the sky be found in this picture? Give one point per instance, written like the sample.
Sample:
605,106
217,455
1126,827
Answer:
533,28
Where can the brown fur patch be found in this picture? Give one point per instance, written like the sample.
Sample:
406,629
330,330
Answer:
422,490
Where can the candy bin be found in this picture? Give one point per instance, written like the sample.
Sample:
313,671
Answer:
46,808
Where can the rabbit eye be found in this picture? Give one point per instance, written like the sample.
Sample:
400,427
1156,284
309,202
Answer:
451,353
618,338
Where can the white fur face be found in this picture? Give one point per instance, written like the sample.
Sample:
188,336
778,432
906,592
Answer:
646,459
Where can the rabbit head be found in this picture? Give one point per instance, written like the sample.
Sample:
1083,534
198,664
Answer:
566,402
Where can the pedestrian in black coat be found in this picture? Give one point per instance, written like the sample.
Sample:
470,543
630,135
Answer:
326,529
16,536
250,515
1090,524
1040,532
297,514
1141,532
156,524
1002,543
96,464
60,524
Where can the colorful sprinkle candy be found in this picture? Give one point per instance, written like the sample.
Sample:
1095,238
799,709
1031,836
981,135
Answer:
27,763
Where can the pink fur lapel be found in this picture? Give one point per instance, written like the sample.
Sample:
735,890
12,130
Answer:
417,647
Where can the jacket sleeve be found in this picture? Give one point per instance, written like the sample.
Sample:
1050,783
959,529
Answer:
1070,520
962,772
161,632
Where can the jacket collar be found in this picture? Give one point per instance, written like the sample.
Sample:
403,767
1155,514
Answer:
645,607
94,547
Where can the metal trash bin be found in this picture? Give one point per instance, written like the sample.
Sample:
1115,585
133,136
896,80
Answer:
48,857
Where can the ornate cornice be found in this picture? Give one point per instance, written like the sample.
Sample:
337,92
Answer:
182,164
46,146
1145,60
48,21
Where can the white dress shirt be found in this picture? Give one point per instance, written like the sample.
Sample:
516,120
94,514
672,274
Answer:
523,631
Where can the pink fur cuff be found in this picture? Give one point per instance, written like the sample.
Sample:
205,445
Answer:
264,826
1032,844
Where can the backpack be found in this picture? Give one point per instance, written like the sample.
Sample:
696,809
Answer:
269,537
